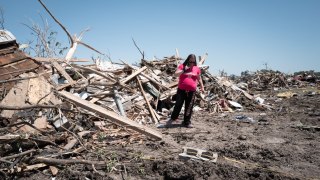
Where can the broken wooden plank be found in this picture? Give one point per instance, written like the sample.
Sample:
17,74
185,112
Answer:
94,71
133,74
142,101
43,59
148,104
60,87
154,81
111,115
102,75
62,71
149,78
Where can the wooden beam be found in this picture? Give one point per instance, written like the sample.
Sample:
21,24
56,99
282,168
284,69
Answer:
110,115
148,104
94,71
149,78
62,71
128,78
60,87
102,75
142,101
154,81
43,59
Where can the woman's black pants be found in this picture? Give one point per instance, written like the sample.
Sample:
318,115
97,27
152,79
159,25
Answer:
188,98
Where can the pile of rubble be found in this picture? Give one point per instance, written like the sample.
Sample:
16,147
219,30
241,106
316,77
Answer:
52,108
262,80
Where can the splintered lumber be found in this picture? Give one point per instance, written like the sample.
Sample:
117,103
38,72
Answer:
133,74
154,81
148,104
149,78
43,59
58,88
94,71
111,115
102,75
62,71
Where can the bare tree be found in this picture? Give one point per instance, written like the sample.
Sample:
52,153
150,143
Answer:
44,42
1,18
74,40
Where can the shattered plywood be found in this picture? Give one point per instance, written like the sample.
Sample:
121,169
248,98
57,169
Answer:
15,97
26,92
40,92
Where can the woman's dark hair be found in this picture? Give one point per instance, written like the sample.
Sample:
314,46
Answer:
186,62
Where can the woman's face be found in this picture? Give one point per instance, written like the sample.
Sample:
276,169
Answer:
192,61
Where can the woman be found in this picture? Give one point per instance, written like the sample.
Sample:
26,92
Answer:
189,76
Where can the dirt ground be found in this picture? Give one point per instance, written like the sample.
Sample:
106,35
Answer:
281,144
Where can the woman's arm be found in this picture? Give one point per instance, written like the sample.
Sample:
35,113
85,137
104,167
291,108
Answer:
178,72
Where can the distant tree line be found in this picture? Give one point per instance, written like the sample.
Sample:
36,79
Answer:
309,72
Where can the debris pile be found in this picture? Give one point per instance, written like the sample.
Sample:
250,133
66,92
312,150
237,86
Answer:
52,109
263,80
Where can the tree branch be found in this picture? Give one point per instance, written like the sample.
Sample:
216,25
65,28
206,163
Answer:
65,30
142,53
90,47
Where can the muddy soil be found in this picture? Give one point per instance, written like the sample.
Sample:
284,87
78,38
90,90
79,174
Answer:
280,144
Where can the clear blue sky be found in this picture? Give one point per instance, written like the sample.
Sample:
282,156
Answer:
238,35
